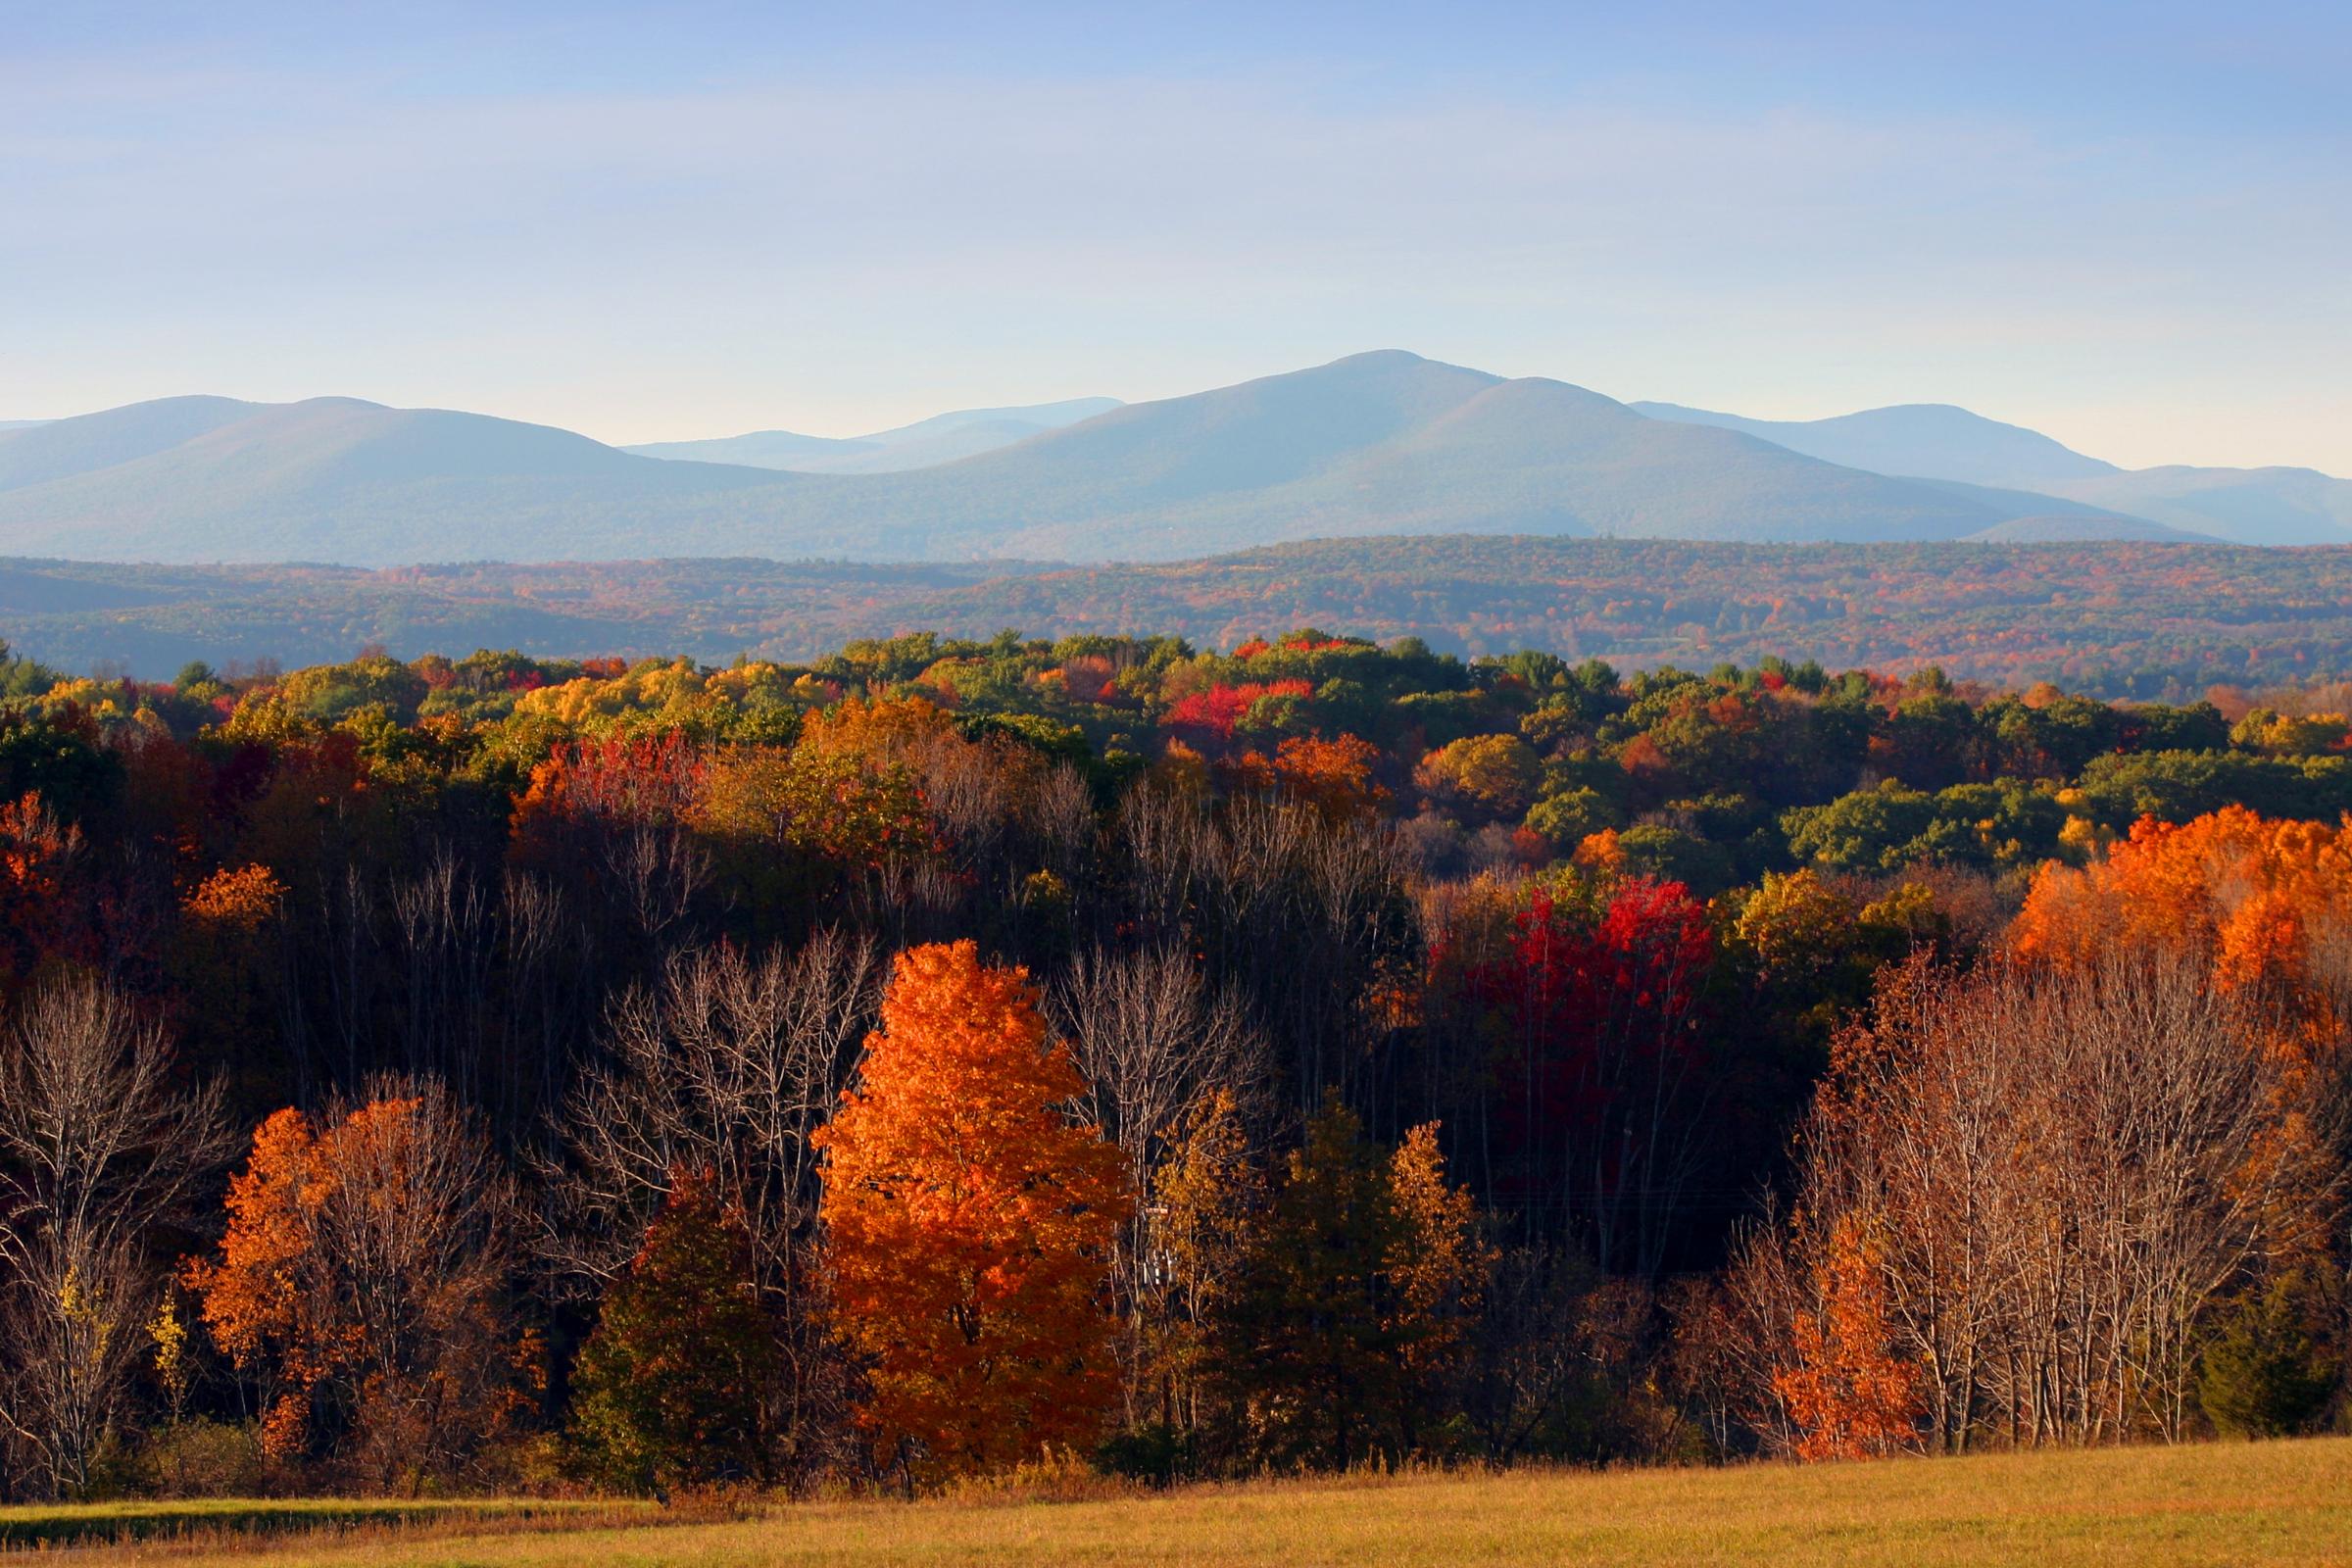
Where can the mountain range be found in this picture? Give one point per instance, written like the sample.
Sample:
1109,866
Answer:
1374,444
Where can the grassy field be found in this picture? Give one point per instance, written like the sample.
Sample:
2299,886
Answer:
202,1520
2284,1502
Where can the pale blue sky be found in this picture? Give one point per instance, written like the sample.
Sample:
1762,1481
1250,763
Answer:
2129,226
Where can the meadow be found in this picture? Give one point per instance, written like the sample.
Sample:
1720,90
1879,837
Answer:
2211,1503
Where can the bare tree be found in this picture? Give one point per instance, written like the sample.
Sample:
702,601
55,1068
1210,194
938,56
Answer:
1153,1042
726,1064
99,1151
1152,1038
447,925
412,1247
656,871
2065,1171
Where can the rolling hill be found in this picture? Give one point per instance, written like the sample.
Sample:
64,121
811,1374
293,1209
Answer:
2245,505
1382,443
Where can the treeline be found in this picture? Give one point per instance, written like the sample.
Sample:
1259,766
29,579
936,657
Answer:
503,1072
2120,619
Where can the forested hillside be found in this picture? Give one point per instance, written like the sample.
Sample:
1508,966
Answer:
2120,619
516,1072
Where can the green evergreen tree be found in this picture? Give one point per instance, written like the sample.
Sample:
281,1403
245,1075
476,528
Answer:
2266,1373
668,1392
1312,1346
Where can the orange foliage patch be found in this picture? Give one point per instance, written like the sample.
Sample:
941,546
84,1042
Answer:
970,1221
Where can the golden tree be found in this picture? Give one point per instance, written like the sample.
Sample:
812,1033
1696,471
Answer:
1850,1392
969,1222
361,1278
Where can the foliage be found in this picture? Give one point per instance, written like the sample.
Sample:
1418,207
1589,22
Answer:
362,1283
1850,1394
1333,1343
668,1392
970,1223
2266,1373
1490,1057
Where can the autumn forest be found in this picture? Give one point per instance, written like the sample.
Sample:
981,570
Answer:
585,1077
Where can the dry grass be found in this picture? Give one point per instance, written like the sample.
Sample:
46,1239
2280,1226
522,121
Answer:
2285,1502
228,1522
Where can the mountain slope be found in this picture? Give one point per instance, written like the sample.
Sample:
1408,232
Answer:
2246,506
1934,441
59,448
1378,443
924,444
2077,527
759,448
1923,440
336,478
1382,443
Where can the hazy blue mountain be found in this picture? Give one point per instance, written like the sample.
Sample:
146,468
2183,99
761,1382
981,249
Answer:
2245,505
333,479
20,424
57,449
1389,443
924,444
1935,441
1922,440
1041,415
757,449
2073,526
1376,444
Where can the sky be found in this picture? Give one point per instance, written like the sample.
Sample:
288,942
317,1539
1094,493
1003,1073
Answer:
2129,226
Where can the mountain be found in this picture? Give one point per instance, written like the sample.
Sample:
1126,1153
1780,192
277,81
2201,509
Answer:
2245,505
759,448
59,448
1934,441
1378,443
331,479
1382,443
20,424
1923,440
924,444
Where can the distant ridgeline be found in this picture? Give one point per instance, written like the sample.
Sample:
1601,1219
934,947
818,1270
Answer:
1374,444
2123,619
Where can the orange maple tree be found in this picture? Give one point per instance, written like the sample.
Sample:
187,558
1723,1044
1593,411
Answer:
1850,1395
2257,903
2250,892
969,1222
1334,775
361,1275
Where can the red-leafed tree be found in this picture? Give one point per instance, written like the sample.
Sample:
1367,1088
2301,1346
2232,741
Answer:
1601,1087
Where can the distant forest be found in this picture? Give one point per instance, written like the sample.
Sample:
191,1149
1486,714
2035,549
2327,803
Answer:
2141,621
